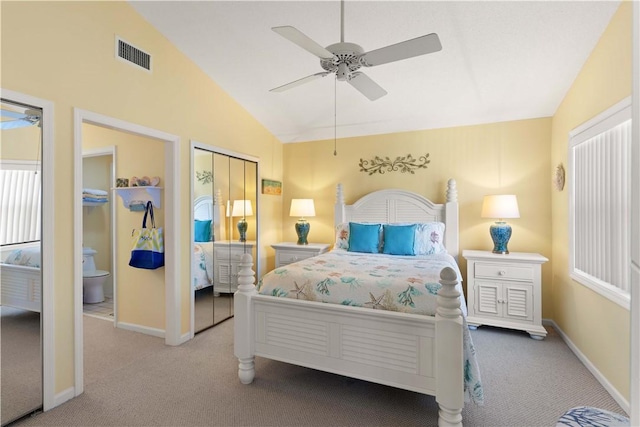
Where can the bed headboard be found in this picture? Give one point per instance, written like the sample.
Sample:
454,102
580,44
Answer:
207,207
203,208
389,206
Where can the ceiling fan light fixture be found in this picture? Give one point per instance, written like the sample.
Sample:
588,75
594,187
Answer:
343,73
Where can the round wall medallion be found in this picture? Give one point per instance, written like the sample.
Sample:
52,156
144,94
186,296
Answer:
558,179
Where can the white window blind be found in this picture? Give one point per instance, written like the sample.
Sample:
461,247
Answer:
20,204
600,203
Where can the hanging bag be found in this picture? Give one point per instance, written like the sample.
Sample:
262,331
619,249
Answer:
147,249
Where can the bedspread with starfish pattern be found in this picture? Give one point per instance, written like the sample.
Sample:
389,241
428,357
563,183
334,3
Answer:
383,282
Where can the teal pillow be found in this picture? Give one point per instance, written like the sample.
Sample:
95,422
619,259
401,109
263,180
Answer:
202,231
399,239
364,237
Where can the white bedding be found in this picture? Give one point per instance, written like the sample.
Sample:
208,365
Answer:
203,265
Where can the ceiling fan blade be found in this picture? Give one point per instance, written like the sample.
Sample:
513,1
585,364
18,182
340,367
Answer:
296,36
366,86
15,124
12,114
403,50
299,82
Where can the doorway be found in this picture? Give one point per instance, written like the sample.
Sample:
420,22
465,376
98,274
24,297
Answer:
98,167
170,273
26,250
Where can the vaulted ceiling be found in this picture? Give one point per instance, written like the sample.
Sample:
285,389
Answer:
499,61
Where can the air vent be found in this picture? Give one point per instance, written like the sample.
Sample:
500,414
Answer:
131,54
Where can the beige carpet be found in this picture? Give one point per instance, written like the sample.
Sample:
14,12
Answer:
526,383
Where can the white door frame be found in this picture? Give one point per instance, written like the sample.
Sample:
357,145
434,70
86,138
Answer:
110,151
634,392
171,230
47,319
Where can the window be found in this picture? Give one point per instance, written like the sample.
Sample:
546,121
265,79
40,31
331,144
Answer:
600,203
20,200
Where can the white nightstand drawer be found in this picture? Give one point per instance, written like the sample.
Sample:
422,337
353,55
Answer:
286,257
502,271
224,254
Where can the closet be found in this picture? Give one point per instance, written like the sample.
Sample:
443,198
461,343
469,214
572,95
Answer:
21,373
225,226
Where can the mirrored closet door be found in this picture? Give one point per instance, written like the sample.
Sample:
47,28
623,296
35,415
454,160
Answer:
20,267
225,227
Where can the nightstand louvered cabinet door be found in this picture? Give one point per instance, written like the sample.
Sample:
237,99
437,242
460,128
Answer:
505,291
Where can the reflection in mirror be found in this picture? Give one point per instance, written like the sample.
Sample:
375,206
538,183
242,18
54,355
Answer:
225,194
20,267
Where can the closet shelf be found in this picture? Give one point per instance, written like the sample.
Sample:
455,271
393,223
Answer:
142,194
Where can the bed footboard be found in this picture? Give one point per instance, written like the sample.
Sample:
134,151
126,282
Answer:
408,351
20,287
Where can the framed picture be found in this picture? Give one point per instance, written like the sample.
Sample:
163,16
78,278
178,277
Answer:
271,187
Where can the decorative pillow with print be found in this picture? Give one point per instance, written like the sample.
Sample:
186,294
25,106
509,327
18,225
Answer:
342,236
429,238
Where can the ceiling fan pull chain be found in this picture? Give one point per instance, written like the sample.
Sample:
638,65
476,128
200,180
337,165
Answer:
335,114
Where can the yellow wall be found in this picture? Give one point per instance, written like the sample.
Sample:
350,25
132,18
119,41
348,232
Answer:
597,326
508,158
70,61
21,144
140,293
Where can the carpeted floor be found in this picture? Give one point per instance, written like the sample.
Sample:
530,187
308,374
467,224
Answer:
526,383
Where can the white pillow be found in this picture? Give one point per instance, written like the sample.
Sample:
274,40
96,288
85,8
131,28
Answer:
429,239
342,236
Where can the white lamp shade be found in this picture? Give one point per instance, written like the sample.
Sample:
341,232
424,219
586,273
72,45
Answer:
242,208
500,206
302,208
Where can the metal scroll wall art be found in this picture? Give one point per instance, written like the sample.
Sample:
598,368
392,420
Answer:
204,177
403,164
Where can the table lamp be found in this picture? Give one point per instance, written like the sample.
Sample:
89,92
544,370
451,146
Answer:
242,208
500,207
302,208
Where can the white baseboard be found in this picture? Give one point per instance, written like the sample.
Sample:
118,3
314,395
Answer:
615,394
142,329
185,337
63,396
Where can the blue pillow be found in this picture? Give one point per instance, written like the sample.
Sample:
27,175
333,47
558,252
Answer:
202,231
364,237
399,239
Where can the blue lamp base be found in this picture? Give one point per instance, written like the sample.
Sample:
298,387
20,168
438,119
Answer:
242,229
500,233
302,229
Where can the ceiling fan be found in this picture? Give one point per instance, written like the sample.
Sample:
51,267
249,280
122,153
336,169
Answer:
345,59
19,120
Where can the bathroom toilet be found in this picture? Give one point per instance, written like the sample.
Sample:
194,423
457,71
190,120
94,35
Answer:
92,279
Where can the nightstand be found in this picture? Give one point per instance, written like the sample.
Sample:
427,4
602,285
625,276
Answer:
226,263
288,252
505,291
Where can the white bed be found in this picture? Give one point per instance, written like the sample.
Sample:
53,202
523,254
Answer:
20,283
207,208
330,337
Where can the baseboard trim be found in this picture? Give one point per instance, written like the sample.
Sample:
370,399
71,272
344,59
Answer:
142,329
615,394
63,396
185,337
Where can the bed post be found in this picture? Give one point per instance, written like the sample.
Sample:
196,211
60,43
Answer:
451,220
339,213
449,353
243,346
